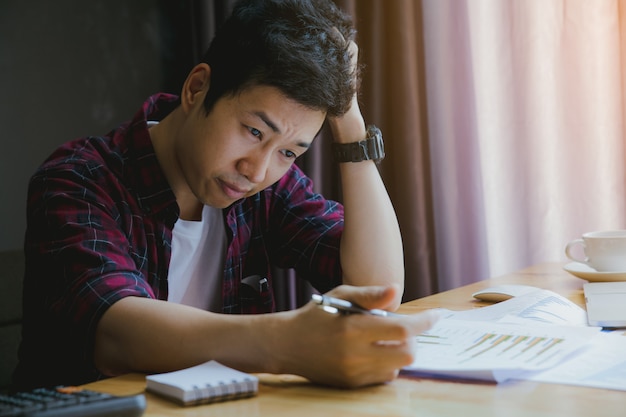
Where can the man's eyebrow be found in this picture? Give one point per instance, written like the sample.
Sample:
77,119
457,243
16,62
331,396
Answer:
305,145
261,115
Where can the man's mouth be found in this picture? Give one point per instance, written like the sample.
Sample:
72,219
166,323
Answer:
234,191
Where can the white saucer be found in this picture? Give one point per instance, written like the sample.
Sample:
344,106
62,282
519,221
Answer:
586,272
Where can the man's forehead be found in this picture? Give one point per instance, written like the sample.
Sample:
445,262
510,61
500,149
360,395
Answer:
264,89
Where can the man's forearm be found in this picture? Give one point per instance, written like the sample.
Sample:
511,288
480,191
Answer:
147,335
371,244
141,334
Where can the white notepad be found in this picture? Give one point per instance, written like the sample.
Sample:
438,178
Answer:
606,303
205,383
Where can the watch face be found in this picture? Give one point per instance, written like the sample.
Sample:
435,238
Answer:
371,148
377,147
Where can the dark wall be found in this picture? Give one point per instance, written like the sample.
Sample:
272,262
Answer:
75,68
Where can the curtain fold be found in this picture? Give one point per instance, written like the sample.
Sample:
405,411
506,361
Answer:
622,61
393,96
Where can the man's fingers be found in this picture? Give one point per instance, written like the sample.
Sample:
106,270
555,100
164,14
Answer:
423,321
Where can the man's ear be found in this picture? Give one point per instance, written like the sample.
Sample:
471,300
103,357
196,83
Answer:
195,87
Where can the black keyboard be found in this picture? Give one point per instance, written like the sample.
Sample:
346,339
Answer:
70,402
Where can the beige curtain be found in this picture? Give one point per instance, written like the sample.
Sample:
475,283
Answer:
526,125
504,122
622,54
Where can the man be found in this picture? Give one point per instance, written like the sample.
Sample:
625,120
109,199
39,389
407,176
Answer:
150,248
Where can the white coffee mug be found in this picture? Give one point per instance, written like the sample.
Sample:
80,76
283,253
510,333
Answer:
604,251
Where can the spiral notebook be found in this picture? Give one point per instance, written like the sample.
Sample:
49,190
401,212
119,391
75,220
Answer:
202,384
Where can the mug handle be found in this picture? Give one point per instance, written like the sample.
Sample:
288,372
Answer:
569,254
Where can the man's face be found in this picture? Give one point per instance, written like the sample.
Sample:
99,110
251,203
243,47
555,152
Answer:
245,144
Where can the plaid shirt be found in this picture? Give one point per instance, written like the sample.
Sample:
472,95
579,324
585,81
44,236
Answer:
99,228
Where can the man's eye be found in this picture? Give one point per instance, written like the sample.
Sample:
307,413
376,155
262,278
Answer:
289,154
255,132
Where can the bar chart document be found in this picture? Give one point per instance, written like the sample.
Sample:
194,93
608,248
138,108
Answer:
495,351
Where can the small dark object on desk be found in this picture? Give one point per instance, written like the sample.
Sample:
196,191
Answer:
70,402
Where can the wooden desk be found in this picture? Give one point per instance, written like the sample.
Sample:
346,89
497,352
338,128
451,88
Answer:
286,395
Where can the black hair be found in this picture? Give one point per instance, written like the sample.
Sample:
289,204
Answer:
300,47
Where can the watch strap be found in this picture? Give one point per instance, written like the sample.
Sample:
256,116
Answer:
370,148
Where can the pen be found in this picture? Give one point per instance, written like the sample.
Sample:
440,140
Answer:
337,305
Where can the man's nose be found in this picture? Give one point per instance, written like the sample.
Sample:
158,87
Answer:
255,166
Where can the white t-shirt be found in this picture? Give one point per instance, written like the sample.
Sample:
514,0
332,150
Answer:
197,261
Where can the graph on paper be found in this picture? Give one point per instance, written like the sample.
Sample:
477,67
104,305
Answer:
459,346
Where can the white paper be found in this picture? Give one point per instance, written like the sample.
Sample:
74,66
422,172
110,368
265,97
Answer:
598,361
495,351
540,307
601,365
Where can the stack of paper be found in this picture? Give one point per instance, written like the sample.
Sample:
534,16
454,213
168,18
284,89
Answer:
540,336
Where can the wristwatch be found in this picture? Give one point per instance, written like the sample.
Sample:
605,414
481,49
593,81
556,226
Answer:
370,148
